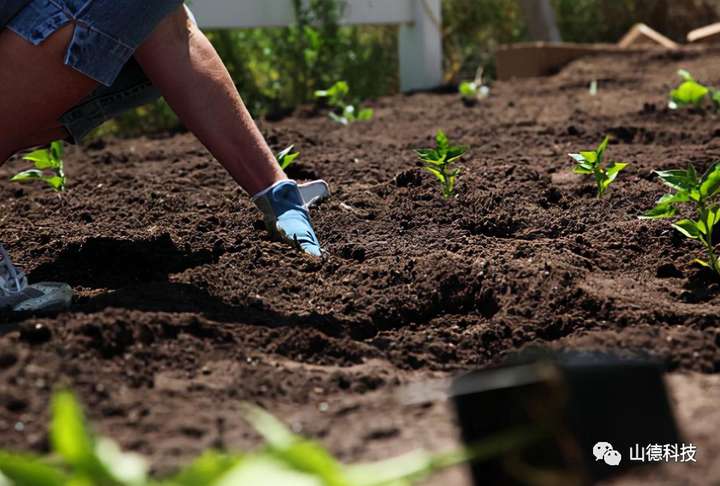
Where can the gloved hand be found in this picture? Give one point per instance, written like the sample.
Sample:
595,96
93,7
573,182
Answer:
284,207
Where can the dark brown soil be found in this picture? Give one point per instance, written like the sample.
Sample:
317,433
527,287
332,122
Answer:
185,308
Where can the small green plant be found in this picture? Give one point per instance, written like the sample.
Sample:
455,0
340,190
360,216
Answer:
344,111
700,192
287,157
81,459
691,93
591,163
473,91
593,89
49,167
439,161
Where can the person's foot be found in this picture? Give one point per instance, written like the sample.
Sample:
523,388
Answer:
17,296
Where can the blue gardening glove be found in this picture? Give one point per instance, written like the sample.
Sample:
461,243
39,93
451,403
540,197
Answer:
286,215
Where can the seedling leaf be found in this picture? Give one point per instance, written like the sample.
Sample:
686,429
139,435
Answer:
287,157
699,192
688,228
56,182
685,74
126,467
702,262
266,470
664,208
42,159
337,98
711,182
659,212
614,169
442,142
56,150
24,470
436,173
207,469
339,119
49,167
691,93
27,175
468,89
302,455
589,157
473,91
590,162
437,161
601,148
69,436
366,114
678,179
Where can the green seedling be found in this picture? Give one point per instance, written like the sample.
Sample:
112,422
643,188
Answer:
473,91
591,163
691,93
344,111
80,458
49,167
438,162
336,94
701,192
593,89
287,157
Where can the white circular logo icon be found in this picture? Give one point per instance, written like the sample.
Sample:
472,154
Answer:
603,451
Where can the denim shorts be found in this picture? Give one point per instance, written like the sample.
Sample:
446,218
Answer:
107,32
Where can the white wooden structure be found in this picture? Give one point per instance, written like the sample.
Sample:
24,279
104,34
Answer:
420,21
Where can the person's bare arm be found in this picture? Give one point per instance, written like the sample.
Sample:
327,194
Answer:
181,62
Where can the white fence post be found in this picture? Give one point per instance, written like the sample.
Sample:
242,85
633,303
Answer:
420,37
421,51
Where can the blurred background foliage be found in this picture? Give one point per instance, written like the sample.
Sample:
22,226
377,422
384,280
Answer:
278,69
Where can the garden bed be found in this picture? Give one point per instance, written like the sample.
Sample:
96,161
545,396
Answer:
185,308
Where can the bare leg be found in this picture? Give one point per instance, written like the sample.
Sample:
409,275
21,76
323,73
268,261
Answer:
36,88
181,62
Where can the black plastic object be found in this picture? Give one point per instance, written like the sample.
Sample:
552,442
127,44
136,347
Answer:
575,401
